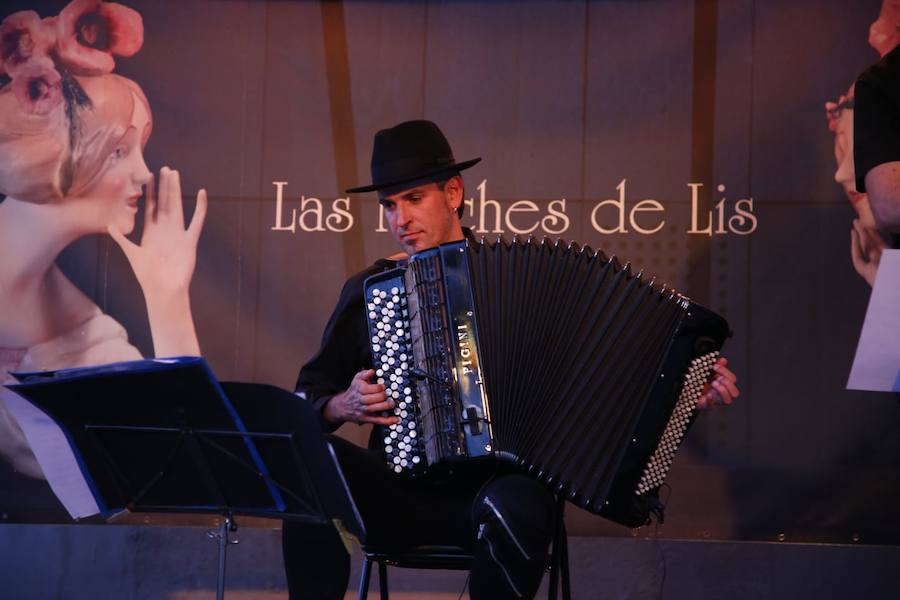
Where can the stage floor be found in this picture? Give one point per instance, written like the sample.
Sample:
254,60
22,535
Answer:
179,563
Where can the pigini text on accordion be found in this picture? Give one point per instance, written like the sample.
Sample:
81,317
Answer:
545,354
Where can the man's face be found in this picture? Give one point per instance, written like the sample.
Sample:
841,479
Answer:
424,216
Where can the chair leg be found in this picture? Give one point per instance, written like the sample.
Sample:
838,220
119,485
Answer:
364,579
564,564
554,574
383,580
559,559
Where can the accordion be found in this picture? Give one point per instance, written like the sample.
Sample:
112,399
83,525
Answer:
544,354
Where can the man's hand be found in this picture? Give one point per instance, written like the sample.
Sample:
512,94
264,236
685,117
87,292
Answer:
722,388
360,403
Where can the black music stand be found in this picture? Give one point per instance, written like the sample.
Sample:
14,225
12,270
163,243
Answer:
164,436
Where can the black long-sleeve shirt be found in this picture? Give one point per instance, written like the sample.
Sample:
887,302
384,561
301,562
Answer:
345,349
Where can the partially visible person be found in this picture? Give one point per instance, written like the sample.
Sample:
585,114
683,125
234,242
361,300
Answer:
877,123
866,243
72,136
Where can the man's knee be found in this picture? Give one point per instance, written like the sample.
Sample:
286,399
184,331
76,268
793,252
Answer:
517,513
513,516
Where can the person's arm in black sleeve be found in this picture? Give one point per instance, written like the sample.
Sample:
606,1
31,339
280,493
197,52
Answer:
876,132
341,354
341,368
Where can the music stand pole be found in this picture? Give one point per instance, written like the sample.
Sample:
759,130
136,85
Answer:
228,524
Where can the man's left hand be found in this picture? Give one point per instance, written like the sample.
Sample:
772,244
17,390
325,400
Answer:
721,389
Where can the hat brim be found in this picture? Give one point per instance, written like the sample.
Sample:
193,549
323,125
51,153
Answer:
426,177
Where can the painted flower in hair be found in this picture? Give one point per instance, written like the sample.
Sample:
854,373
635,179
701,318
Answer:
90,32
37,85
24,37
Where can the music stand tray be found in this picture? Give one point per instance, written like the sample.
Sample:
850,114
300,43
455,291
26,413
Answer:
163,435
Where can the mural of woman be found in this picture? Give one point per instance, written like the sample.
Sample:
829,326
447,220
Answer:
866,243
72,135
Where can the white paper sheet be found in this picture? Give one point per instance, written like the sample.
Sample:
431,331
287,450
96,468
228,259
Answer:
54,454
877,363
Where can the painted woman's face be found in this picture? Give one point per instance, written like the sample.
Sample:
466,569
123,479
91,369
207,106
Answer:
113,199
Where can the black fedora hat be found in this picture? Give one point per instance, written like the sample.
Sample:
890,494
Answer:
413,151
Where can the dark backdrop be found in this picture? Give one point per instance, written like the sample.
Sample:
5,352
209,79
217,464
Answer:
570,104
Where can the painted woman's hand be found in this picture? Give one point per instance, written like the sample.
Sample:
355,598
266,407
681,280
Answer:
164,260
164,263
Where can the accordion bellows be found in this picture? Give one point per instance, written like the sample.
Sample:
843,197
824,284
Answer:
545,354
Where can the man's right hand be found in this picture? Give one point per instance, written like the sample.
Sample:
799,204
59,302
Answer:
360,403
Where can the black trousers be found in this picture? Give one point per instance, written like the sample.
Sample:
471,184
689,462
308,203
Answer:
504,518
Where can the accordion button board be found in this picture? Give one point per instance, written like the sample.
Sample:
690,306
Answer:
388,313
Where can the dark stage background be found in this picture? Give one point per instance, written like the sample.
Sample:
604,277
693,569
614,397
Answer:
571,104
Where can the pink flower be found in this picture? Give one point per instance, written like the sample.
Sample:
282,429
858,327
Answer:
37,85
91,31
23,36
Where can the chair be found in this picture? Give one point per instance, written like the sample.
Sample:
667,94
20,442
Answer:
454,558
